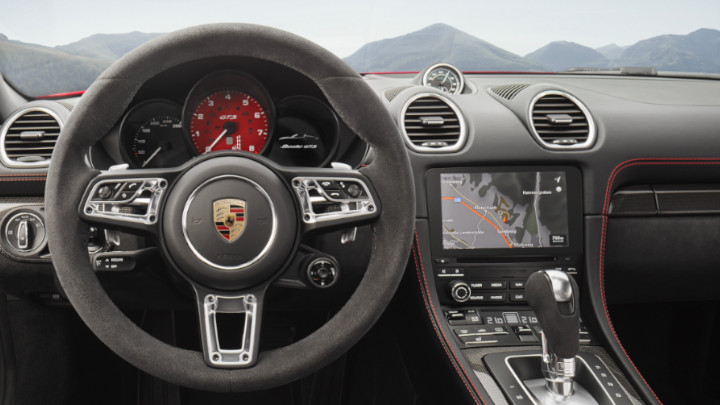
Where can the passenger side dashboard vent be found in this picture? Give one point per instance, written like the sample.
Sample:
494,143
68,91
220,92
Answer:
432,123
558,120
28,138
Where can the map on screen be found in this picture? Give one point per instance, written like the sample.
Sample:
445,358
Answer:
504,210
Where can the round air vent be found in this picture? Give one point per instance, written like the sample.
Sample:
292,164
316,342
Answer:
560,121
432,123
28,138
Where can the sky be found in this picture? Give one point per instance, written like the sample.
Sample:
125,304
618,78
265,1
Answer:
519,26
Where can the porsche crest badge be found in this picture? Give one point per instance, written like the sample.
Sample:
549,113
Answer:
229,214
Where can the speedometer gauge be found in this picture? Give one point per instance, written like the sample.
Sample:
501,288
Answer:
152,135
228,111
444,77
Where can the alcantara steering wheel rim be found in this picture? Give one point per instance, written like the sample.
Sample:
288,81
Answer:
70,181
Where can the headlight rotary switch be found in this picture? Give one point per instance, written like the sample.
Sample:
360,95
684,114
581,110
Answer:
24,232
323,272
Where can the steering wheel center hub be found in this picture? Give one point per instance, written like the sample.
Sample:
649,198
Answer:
233,210
229,222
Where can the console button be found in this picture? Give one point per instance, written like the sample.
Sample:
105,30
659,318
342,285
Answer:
107,191
481,331
450,272
351,188
478,340
132,186
499,297
455,317
528,338
329,185
104,193
335,194
124,195
525,334
517,285
472,316
478,285
460,332
517,297
478,297
497,285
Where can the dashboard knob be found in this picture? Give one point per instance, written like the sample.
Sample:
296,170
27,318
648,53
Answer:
23,233
459,290
322,272
354,190
105,192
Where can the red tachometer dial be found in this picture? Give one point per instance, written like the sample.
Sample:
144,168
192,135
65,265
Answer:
229,120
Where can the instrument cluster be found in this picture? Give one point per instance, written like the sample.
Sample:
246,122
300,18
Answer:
229,110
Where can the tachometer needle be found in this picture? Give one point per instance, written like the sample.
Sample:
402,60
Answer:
145,163
209,148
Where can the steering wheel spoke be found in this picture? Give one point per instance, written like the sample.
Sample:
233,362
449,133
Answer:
333,198
230,326
126,199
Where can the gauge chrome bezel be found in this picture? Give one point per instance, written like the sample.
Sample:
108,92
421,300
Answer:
458,73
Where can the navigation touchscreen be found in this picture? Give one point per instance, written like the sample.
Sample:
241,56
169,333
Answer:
504,210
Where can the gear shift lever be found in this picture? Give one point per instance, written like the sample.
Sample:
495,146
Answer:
553,295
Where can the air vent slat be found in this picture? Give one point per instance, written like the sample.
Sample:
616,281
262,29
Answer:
29,138
431,123
421,128
9,142
560,121
552,132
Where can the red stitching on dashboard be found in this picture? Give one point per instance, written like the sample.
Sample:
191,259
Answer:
23,177
606,207
438,330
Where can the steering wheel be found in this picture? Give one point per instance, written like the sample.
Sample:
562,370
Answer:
264,209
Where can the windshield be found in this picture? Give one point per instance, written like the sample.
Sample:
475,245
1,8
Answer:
49,47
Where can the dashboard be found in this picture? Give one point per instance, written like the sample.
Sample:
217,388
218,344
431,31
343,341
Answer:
513,173
229,110
225,107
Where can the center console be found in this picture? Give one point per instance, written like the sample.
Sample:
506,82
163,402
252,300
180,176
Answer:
489,229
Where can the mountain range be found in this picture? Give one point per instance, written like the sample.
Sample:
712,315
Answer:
433,44
38,70
562,55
